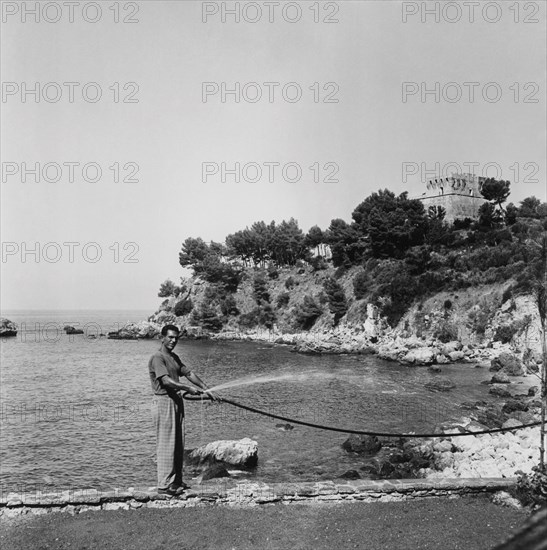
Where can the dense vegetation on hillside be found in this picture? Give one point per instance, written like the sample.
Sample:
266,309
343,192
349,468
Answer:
396,251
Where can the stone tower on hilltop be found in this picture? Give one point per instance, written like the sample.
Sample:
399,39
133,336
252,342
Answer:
460,195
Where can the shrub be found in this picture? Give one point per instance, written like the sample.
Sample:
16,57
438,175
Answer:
318,263
248,320
283,299
417,259
447,332
462,224
447,304
306,313
505,333
290,283
532,488
228,306
184,307
337,299
209,318
260,286
258,316
273,272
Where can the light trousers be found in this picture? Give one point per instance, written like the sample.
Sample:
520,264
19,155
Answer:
168,416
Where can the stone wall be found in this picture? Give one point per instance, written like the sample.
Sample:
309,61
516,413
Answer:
456,205
231,493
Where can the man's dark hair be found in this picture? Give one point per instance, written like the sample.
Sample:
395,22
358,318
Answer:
167,328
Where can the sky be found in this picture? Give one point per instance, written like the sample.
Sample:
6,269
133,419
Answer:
329,102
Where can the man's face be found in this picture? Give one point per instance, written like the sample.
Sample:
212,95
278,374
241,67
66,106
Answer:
170,340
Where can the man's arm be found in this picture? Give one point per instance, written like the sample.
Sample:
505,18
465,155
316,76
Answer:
169,383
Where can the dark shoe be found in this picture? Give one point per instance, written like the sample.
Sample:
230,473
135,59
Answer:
178,488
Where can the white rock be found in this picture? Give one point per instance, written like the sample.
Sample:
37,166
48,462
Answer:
243,452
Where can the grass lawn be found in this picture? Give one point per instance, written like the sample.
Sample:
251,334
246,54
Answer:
467,523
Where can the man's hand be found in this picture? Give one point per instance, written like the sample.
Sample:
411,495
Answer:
194,391
212,396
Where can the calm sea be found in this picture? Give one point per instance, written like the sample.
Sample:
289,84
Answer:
75,410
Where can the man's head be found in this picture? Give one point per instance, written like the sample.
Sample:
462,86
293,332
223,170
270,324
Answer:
170,336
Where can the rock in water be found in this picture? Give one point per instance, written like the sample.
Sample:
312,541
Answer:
362,444
132,331
242,453
71,330
440,385
419,356
514,405
285,427
500,378
7,328
507,363
500,391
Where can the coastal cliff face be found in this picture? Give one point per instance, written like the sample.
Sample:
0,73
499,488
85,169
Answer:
478,316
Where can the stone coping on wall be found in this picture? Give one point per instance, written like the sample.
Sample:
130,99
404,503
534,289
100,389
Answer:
247,493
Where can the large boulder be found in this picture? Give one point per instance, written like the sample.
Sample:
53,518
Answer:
7,328
136,331
456,355
500,391
242,453
507,363
390,353
500,378
420,356
71,330
450,347
514,405
362,444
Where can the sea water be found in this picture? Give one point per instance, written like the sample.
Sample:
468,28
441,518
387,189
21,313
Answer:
75,410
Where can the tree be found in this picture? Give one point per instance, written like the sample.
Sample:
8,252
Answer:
193,252
307,312
496,191
315,238
391,224
489,217
346,243
529,207
168,288
511,213
338,304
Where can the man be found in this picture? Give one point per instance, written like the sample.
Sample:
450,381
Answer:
164,368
